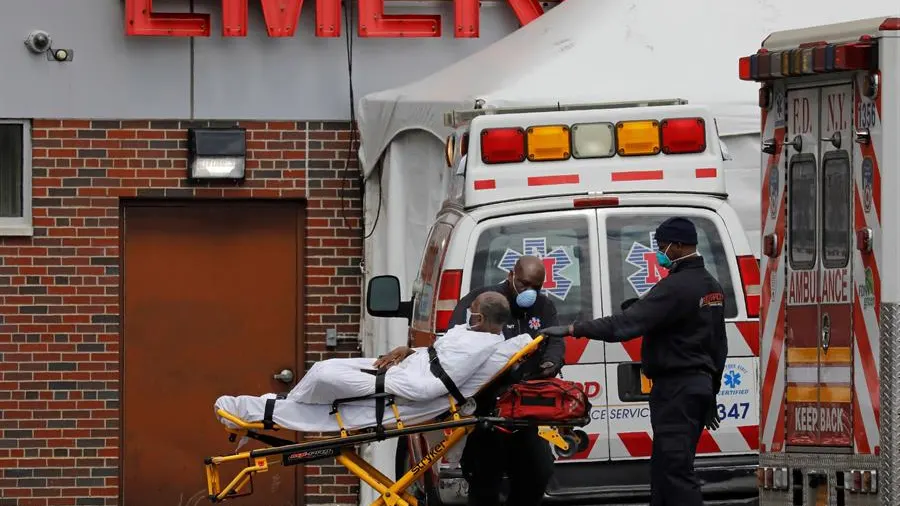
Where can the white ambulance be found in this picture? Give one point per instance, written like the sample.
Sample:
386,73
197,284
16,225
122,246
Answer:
830,102
584,188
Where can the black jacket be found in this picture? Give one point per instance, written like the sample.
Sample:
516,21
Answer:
682,321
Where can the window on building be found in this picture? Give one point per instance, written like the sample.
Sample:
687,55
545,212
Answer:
15,178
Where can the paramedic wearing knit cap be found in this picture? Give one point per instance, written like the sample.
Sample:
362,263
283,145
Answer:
683,352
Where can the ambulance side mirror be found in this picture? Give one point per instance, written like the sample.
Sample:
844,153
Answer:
383,299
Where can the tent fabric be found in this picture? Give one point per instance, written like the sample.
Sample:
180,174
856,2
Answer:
606,51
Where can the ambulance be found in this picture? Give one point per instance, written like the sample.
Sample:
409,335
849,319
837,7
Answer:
583,188
830,102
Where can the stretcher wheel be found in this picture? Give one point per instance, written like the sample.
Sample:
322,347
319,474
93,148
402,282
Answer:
582,437
572,450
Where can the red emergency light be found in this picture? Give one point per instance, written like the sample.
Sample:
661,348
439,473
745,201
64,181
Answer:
683,135
503,145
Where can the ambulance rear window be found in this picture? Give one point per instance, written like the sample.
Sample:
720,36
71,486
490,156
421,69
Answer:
632,257
802,205
562,242
836,201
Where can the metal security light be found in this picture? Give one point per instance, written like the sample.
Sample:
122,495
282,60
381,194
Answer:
217,153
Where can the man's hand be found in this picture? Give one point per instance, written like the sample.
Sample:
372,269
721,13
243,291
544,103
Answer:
393,357
712,416
558,331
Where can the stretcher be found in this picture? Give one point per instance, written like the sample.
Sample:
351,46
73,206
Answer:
454,422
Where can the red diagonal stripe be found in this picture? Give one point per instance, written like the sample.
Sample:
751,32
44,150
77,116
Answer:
868,259
868,151
633,348
751,435
750,331
859,429
772,364
575,349
867,357
638,444
707,444
778,438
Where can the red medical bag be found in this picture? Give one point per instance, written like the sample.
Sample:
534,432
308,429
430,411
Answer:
545,400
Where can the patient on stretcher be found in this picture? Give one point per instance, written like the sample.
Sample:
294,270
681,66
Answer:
466,355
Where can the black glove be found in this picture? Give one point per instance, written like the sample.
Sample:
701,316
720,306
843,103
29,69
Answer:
712,416
558,331
548,369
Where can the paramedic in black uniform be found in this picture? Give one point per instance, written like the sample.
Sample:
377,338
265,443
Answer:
683,352
522,455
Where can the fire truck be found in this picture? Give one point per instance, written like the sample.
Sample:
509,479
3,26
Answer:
583,187
830,315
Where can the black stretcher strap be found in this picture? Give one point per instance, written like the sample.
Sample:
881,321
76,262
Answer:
379,402
267,422
438,371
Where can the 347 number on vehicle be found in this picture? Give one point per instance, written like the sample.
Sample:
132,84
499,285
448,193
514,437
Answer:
736,410
866,115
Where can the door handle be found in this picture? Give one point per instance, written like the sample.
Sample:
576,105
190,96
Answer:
826,332
285,376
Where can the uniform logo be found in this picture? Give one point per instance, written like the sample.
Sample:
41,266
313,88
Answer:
773,192
868,174
649,272
713,299
735,380
534,323
555,261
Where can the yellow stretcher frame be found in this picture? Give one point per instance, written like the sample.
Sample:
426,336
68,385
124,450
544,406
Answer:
342,447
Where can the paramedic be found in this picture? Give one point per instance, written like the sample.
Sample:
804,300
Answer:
489,314
523,455
683,352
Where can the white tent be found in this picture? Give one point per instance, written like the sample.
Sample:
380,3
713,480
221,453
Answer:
581,51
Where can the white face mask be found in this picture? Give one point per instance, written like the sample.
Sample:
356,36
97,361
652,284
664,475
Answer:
469,324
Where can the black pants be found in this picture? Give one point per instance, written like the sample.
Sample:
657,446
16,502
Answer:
523,456
678,407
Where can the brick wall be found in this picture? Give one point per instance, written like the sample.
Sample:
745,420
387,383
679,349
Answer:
59,312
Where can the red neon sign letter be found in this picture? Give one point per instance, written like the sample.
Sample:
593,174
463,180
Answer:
282,16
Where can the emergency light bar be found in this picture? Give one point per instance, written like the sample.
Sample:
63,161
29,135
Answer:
539,143
455,119
809,59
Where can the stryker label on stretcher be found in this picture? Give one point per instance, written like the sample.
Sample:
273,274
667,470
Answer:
461,352
358,414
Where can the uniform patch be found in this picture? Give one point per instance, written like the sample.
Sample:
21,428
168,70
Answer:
534,323
714,299
555,261
649,271
868,175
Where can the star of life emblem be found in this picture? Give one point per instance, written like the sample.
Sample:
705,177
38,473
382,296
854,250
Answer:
555,261
534,323
868,176
649,271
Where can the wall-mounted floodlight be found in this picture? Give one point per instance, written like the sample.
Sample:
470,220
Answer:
217,153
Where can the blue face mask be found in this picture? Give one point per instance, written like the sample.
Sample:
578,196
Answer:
663,259
527,298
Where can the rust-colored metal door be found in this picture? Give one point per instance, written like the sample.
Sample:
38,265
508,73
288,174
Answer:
212,305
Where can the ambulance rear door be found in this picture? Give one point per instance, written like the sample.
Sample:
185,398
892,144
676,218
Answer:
567,242
628,256
818,315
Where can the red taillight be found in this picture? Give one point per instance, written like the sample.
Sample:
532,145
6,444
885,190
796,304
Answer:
683,135
595,202
744,68
503,145
749,268
447,297
890,24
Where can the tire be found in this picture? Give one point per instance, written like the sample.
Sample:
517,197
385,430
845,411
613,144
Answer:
425,488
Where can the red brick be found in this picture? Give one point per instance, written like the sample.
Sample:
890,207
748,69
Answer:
86,225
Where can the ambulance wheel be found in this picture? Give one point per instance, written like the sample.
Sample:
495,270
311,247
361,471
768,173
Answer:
582,438
425,488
